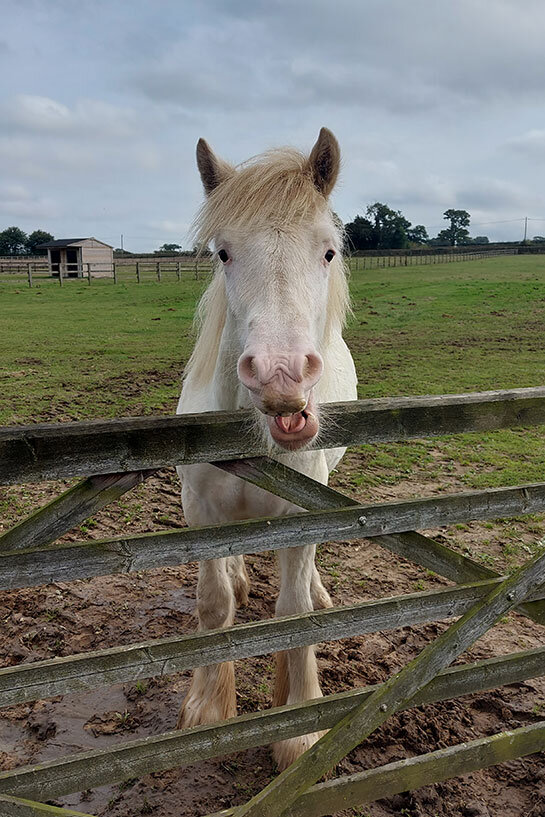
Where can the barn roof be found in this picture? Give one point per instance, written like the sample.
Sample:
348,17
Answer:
67,242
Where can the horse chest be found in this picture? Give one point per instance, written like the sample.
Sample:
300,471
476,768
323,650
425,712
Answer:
210,496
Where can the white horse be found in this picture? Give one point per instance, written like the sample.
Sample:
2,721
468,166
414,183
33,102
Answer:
270,338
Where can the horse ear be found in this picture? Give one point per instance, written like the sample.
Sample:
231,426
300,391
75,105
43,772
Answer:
325,161
212,169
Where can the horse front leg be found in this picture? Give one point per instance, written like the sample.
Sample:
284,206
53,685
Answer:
211,696
296,670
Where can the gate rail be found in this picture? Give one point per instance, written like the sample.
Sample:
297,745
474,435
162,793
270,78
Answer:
122,453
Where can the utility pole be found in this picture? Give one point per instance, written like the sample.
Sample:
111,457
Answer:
121,240
525,228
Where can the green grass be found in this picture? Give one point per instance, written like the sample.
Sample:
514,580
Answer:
100,351
449,327
78,352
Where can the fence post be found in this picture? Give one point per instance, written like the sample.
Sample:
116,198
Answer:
196,268
158,270
60,275
30,273
178,270
115,272
89,273
138,272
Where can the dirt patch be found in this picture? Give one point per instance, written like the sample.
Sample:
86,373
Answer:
64,618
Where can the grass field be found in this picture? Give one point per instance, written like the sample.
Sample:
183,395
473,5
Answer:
109,350
431,329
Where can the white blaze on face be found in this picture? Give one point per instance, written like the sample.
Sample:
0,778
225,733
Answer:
277,293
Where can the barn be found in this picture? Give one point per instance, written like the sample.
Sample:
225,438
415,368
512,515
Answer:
75,256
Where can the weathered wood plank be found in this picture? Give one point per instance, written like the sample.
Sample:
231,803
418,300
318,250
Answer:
78,560
283,481
284,791
313,496
69,509
137,757
52,451
57,676
413,773
16,807
447,562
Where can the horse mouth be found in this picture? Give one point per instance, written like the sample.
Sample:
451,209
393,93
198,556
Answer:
293,431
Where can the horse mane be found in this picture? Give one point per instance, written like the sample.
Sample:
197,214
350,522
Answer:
277,190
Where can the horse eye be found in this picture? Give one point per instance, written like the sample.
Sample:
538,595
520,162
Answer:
329,256
224,256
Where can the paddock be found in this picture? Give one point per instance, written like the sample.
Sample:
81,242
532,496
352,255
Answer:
121,453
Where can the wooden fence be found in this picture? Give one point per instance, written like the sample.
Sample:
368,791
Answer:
120,270
140,270
122,453
408,258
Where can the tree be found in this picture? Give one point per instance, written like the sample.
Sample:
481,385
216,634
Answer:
37,237
389,226
457,232
418,234
539,239
359,234
12,241
170,248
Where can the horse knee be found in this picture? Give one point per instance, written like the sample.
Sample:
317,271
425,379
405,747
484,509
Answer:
215,603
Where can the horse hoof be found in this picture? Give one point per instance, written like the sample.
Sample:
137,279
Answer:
197,713
287,751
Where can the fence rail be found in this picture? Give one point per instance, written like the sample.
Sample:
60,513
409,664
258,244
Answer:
120,270
57,451
142,269
122,453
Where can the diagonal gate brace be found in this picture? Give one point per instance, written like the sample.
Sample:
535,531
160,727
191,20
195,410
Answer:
355,727
311,495
18,807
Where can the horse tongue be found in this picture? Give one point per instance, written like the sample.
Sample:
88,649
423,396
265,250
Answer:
290,424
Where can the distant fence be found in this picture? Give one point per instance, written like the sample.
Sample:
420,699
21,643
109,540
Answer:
124,452
145,269
408,258
121,270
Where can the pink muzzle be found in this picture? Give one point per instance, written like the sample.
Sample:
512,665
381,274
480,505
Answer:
281,387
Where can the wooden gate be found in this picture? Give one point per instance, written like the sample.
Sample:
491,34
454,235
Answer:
122,453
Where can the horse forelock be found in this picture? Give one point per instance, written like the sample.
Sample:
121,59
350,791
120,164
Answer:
274,190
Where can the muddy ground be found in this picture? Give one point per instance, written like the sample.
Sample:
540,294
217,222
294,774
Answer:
61,619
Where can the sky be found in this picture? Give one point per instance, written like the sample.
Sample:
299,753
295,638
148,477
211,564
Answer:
436,105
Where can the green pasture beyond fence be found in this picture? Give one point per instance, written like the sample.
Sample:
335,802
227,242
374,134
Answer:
170,269
124,452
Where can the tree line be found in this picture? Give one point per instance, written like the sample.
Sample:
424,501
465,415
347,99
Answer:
14,241
385,229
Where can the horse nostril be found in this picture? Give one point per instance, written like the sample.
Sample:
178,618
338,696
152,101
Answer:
314,366
246,370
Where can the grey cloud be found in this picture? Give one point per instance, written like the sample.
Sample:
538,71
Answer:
531,144
491,194
31,113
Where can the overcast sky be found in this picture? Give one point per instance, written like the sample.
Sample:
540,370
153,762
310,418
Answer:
436,104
